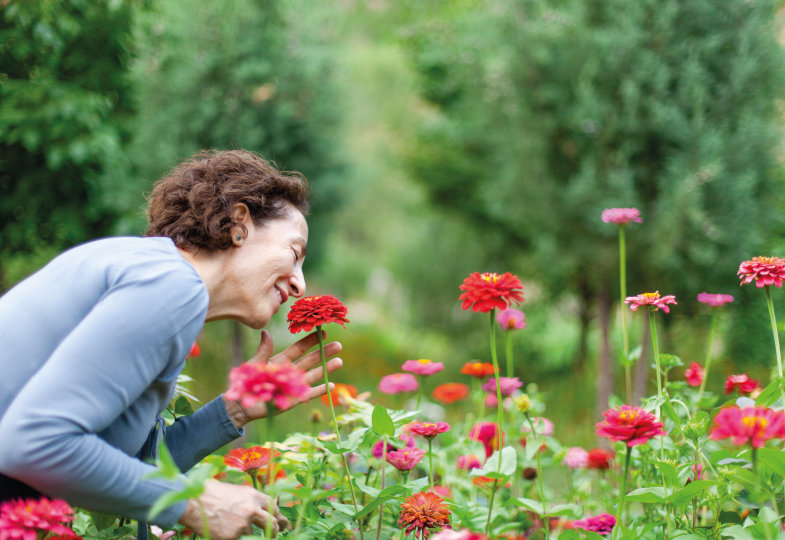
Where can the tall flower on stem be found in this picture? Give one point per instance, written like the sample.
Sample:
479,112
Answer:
621,217
715,301
633,426
429,430
422,368
765,272
250,460
510,319
312,312
423,512
486,292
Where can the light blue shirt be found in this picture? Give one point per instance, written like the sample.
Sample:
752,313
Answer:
90,349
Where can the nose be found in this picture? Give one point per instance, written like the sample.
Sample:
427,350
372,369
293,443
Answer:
297,284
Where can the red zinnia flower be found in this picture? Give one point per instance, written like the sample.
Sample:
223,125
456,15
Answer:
428,430
742,383
600,458
423,512
632,425
755,425
652,300
22,519
484,292
315,311
195,351
283,384
764,270
249,460
449,393
714,300
694,374
339,394
621,216
479,370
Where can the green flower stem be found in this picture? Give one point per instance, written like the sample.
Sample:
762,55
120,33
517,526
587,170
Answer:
430,462
776,339
270,421
623,292
539,478
420,390
381,507
508,353
335,424
623,491
707,362
499,411
655,345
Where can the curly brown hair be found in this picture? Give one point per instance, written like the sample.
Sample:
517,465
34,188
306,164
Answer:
193,204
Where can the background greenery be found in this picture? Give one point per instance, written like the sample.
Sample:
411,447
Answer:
440,138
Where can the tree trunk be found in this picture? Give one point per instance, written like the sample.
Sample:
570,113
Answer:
238,344
585,316
605,376
641,367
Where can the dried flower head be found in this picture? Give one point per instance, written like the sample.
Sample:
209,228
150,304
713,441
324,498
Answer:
621,216
764,271
632,425
652,300
487,291
312,311
282,384
422,513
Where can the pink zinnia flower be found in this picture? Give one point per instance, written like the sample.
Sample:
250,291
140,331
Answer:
694,374
754,425
652,300
487,434
742,383
715,300
159,533
422,366
252,382
507,385
23,519
763,270
405,459
602,524
468,462
542,426
576,458
429,430
511,319
632,425
463,534
621,216
376,449
487,291
398,383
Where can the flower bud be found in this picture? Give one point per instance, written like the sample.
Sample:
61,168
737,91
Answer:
523,402
316,416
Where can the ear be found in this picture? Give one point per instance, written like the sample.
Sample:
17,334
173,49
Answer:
241,216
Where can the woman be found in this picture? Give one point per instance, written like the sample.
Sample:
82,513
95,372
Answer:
91,345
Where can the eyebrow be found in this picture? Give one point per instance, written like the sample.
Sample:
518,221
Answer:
303,243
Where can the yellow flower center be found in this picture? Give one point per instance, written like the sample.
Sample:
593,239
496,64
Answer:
758,422
251,456
428,425
424,361
490,277
651,295
765,260
628,416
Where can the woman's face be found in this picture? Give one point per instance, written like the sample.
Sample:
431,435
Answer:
267,267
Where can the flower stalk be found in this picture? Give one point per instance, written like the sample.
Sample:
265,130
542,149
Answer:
624,332
623,491
499,412
776,335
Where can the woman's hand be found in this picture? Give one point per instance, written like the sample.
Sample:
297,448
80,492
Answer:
294,354
231,511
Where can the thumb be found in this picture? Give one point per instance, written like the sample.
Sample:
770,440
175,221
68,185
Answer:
265,349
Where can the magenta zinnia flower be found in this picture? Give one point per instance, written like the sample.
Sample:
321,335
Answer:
428,430
576,458
694,374
652,300
621,216
23,519
715,300
487,434
405,459
763,270
468,462
632,425
507,385
754,425
378,447
423,366
487,291
398,383
602,524
511,319
252,382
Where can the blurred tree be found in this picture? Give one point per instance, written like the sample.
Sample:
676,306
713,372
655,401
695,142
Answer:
551,112
63,101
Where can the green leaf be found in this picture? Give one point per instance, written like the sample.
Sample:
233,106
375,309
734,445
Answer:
770,394
491,468
737,532
532,505
333,447
165,501
670,361
646,495
558,510
668,470
165,465
182,406
381,422
385,495
775,459
689,491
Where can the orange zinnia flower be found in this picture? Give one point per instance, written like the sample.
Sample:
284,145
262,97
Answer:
248,460
423,512
315,311
484,292
449,393
478,369
340,393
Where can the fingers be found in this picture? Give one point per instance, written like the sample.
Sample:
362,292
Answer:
265,348
316,374
261,519
300,347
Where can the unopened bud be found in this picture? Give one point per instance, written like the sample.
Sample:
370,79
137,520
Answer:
523,402
316,416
